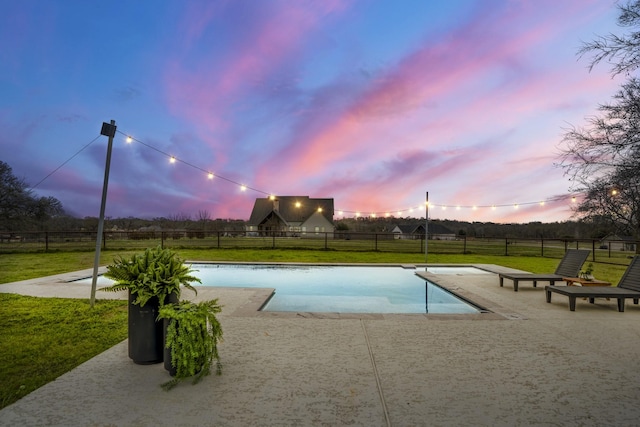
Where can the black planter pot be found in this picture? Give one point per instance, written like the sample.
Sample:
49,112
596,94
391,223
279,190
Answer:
146,341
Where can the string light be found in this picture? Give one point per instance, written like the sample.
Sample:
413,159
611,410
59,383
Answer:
342,212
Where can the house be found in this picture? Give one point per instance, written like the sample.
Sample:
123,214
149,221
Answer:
416,231
408,231
293,216
618,243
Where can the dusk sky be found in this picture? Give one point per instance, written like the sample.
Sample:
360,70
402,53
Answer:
371,103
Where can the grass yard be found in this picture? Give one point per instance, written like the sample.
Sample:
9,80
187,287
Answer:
42,338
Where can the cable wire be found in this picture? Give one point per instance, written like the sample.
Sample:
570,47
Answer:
65,162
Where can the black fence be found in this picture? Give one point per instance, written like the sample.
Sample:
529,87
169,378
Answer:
613,251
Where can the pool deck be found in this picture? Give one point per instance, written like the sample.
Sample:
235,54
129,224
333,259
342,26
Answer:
526,363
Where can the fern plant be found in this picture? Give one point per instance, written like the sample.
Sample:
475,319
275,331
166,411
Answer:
193,333
155,273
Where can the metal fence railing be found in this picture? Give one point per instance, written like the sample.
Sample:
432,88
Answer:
616,252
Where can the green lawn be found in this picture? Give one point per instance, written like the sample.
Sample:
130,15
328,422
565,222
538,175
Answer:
42,338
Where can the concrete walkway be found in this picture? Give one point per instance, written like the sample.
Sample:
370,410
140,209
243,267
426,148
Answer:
528,363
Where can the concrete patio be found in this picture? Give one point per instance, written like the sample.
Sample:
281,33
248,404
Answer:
526,363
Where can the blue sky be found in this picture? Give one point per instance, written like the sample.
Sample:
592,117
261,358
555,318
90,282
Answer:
372,103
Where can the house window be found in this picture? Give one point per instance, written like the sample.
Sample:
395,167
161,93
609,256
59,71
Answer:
304,230
316,229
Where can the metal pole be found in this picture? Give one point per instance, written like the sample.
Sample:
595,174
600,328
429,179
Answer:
426,229
110,131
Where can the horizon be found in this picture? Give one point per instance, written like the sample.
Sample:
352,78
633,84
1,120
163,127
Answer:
368,103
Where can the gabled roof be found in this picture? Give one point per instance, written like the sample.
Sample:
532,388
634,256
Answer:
435,228
419,229
411,228
290,209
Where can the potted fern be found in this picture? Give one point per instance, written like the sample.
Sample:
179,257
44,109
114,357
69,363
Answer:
153,279
191,340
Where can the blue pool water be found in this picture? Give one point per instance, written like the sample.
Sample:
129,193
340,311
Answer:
342,289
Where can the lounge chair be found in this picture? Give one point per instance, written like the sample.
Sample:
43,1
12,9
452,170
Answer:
628,287
569,266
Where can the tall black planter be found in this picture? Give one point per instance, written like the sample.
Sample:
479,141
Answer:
146,341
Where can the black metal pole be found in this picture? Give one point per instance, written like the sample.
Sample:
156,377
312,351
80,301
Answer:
110,131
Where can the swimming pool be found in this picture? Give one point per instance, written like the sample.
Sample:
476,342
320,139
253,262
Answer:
341,289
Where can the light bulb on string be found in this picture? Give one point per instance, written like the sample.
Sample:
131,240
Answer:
172,159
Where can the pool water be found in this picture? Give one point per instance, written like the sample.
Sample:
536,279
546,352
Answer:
342,289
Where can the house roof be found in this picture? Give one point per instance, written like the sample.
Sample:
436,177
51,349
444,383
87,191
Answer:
435,228
290,209
419,228
411,228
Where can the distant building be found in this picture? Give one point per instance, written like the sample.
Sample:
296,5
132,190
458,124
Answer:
413,231
619,243
292,216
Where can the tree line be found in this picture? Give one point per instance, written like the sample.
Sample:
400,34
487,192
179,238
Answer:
21,210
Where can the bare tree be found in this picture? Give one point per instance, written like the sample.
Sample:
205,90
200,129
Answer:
622,52
602,158
602,162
